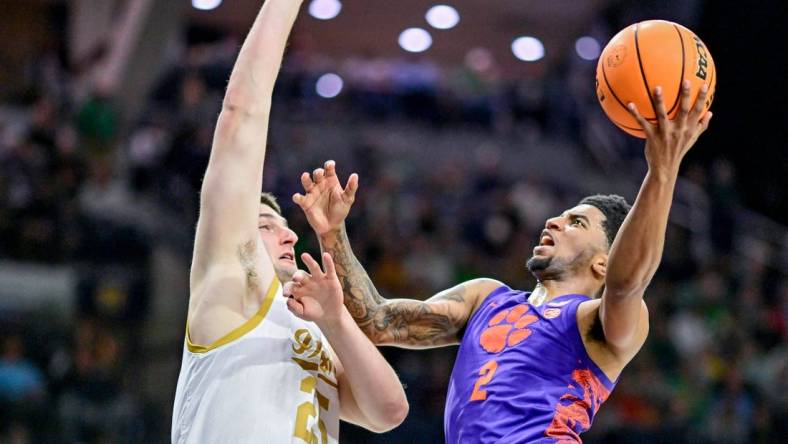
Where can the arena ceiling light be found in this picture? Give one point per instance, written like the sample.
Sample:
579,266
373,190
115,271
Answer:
325,9
588,48
206,5
442,17
415,40
528,49
329,85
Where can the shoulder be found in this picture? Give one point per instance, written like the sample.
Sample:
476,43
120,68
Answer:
591,307
589,310
589,324
483,284
479,289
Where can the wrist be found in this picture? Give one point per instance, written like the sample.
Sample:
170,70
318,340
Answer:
331,236
335,324
663,174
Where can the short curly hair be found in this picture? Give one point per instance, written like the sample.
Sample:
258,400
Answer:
614,207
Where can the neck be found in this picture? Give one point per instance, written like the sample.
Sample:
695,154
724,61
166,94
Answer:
550,289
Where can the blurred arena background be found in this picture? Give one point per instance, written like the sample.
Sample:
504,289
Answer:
464,148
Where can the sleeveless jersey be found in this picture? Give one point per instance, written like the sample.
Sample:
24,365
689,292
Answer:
523,375
271,380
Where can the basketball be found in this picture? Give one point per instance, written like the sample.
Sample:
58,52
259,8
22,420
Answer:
646,55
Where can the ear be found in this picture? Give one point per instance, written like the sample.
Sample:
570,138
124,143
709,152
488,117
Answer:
599,266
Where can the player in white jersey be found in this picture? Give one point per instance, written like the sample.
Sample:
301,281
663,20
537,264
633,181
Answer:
257,367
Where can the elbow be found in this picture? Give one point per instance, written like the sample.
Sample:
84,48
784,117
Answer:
398,412
239,104
392,415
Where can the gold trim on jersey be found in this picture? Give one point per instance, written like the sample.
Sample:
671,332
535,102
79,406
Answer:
243,329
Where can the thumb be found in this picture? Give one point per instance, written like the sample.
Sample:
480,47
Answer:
295,307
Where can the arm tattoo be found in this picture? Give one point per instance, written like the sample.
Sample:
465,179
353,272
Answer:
403,322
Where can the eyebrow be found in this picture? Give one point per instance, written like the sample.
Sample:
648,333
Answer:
274,218
580,216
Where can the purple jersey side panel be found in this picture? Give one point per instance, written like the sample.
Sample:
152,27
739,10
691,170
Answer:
522,374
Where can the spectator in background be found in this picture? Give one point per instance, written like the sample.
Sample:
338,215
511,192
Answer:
22,392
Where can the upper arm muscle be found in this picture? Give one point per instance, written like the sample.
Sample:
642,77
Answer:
432,323
625,324
229,201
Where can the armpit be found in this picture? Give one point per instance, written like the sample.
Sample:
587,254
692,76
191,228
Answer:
246,255
595,331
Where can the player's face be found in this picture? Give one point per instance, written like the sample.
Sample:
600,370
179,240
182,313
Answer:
569,242
279,241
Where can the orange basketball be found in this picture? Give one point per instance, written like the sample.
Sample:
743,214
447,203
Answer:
646,55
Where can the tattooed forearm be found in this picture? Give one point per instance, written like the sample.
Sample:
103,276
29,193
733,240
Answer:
408,323
361,296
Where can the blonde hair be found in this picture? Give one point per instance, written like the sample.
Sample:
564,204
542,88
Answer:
270,200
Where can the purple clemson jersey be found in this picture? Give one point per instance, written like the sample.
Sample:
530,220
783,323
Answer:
522,374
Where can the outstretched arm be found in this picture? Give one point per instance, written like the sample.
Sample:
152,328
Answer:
408,323
637,249
227,257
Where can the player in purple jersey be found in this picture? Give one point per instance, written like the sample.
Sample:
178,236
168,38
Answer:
532,366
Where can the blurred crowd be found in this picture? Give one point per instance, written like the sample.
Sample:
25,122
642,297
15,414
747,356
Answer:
459,171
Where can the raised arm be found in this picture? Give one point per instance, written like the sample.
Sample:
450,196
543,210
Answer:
637,249
228,257
408,323
229,261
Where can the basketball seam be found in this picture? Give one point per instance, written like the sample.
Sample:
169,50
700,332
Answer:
630,127
642,72
711,81
681,81
615,96
610,88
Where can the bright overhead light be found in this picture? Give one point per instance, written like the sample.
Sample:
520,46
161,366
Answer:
588,48
528,49
415,40
443,17
206,5
329,85
325,9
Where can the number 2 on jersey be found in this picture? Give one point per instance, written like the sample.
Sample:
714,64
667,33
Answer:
485,376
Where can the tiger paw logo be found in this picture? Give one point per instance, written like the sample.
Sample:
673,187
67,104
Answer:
507,328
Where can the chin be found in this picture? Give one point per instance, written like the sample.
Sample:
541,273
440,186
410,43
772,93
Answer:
538,263
285,272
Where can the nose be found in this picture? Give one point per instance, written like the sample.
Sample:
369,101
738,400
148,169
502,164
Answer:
288,237
554,223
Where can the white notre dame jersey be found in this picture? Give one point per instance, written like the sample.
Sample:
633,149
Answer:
271,380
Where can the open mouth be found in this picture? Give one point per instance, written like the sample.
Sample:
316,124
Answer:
288,256
546,240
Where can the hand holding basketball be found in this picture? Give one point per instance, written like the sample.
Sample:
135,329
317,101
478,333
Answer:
668,141
650,54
